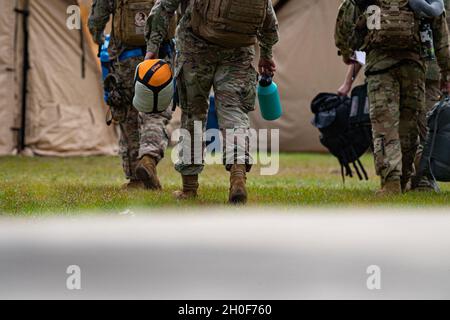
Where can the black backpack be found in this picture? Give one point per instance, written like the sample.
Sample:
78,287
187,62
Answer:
435,161
345,127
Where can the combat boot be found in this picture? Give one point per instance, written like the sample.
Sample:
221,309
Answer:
190,188
238,180
133,185
424,184
146,172
390,188
406,186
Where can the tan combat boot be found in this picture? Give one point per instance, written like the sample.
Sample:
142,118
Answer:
238,180
146,172
424,184
190,187
406,186
133,185
390,188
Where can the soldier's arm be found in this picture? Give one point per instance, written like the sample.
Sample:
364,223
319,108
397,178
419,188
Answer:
100,14
345,25
442,45
350,77
158,23
269,35
447,8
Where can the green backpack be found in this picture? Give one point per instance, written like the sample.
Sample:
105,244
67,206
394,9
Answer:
130,19
398,27
229,23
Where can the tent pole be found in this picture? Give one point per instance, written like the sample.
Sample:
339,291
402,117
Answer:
25,12
83,54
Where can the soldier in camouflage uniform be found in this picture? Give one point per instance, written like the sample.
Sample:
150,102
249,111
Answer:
143,138
396,85
432,96
202,65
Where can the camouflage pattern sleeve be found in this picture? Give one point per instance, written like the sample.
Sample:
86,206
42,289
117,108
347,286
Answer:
269,34
442,45
433,70
158,23
447,8
345,25
100,14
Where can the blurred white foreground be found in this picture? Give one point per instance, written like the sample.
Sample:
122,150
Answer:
290,254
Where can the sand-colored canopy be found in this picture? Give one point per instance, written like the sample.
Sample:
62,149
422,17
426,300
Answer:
65,112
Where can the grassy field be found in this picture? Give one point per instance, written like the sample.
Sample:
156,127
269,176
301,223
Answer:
35,186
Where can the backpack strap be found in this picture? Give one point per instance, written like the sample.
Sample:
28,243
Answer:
342,174
366,176
361,171
433,141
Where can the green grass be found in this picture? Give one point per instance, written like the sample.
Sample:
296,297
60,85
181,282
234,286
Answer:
33,186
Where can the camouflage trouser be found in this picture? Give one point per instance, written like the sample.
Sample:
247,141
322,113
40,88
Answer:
141,134
397,96
200,67
433,95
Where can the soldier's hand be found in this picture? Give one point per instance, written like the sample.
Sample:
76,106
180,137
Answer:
151,56
344,90
266,66
347,60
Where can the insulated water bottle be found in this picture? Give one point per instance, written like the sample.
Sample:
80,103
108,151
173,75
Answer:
269,99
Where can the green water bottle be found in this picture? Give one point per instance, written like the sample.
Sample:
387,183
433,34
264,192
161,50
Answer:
269,99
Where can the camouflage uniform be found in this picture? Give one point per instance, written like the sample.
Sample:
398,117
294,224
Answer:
433,93
345,24
396,84
141,134
201,66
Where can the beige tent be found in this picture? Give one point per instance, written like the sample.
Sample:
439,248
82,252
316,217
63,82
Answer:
307,64
64,110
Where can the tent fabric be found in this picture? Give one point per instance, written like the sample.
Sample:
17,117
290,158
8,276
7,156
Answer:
65,112
7,90
307,64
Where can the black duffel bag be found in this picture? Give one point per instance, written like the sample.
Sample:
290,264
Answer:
345,127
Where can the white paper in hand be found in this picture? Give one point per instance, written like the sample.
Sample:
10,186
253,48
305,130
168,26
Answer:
360,57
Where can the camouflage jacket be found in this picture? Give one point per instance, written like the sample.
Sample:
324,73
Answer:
164,9
345,24
433,70
101,13
378,59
